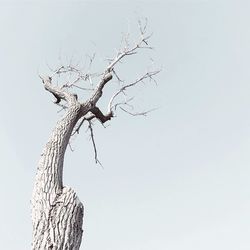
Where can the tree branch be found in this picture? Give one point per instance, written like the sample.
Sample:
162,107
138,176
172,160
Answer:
147,75
93,142
98,92
77,130
144,113
57,92
100,116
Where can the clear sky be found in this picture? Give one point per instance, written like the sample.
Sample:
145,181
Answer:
177,179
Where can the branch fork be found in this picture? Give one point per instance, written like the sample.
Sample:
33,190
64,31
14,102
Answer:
89,109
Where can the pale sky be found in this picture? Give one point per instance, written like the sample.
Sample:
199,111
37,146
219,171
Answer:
176,179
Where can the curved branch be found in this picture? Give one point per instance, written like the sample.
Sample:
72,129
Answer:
58,92
148,75
98,92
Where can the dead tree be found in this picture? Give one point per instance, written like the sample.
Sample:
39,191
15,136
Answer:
57,213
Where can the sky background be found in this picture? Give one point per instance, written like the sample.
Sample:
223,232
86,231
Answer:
176,179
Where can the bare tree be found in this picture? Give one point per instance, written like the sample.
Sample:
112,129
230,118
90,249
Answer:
57,213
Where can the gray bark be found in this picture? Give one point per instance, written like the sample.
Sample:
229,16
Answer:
57,213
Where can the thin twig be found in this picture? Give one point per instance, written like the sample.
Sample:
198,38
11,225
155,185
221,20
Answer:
93,143
77,130
144,113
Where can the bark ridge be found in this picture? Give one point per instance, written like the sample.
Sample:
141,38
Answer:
57,213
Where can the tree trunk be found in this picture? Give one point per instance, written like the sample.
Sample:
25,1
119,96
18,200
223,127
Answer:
57,213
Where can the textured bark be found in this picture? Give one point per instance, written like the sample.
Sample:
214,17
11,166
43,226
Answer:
57,213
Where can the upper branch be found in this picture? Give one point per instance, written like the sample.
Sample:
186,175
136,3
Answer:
129,51
59,93
98,91
147,75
